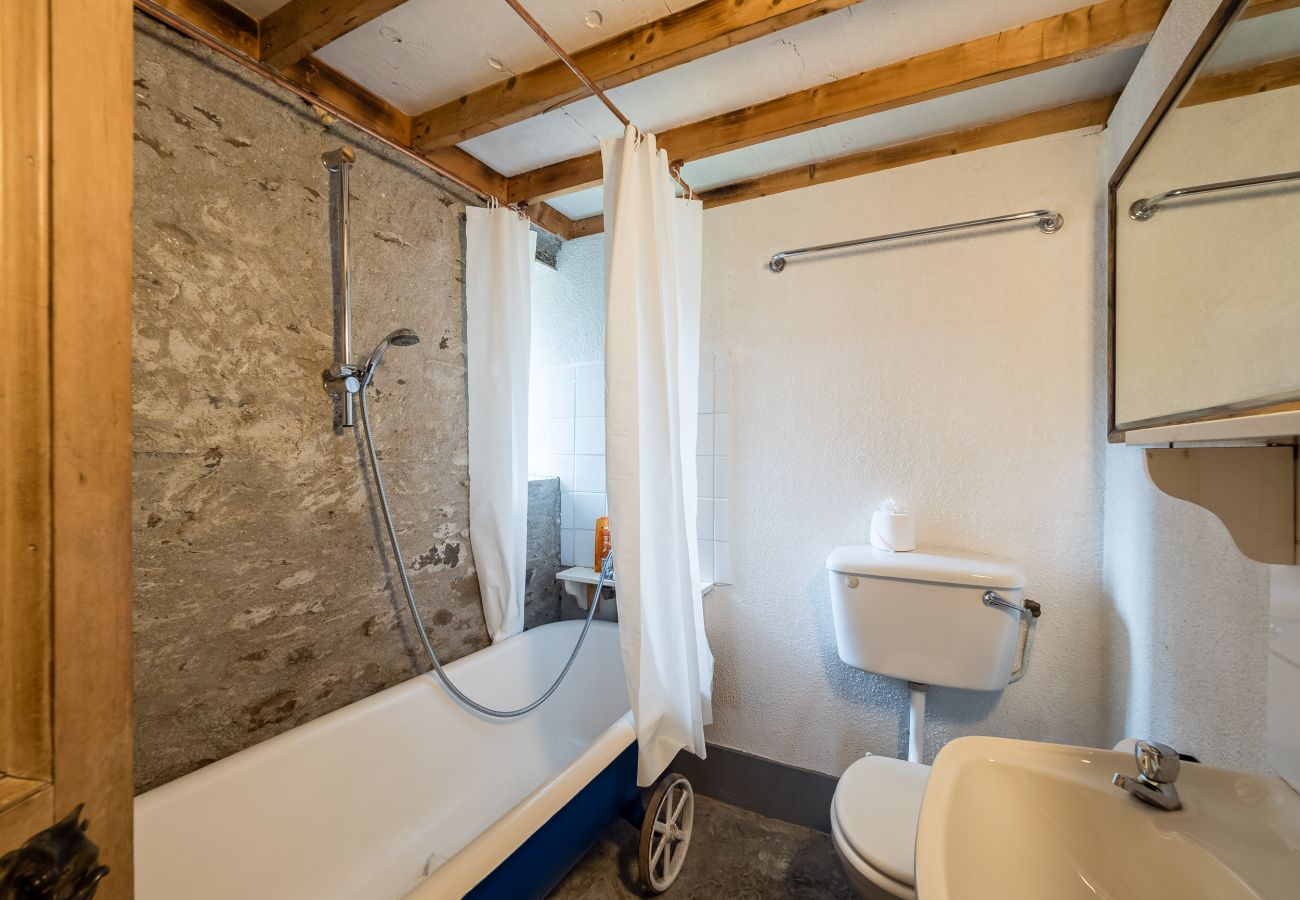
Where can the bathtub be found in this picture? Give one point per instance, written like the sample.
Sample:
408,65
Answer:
408,794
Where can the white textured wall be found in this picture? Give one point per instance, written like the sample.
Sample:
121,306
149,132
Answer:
1182,25
1186,623
568,323
961,376
1184,614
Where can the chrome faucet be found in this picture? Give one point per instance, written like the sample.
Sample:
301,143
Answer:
1158,767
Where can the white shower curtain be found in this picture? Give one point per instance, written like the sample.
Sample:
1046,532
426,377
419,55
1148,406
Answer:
652,341
499,251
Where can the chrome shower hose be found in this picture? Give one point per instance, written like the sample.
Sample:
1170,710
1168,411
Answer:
605,572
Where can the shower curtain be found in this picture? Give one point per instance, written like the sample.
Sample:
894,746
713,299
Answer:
499,250
652,343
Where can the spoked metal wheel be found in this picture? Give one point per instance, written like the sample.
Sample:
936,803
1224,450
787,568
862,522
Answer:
666,832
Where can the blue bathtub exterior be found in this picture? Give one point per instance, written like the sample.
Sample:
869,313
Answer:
543,860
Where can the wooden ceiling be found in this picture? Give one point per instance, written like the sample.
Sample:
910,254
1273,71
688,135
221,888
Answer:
282,45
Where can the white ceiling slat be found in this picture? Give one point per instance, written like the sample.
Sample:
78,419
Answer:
852,40
1043,90
1254,41
427,52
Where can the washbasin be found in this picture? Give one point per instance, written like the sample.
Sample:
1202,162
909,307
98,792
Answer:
1017,819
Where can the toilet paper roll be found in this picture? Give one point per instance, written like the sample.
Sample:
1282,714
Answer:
893,531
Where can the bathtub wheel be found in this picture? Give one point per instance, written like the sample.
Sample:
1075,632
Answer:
666,831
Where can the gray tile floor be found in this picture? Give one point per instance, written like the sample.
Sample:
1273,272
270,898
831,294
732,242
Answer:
733,854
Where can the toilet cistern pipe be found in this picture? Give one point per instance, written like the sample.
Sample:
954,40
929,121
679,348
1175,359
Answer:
916,722
341,377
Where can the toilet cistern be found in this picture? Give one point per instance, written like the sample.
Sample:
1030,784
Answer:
928,617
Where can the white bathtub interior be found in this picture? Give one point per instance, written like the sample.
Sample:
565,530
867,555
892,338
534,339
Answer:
356,803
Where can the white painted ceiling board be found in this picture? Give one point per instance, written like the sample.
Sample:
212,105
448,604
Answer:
846,42
1258,40
424,53
1083,80
1043,90
580,204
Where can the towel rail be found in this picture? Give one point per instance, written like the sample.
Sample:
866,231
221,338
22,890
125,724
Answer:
1146,207
1048,221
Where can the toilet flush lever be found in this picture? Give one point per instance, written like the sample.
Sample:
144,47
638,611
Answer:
993,598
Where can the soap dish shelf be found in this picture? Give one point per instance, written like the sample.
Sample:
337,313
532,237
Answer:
579,580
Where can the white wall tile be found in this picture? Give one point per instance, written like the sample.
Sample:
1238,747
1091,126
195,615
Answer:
584,547
722,520
590,397
704,436
721,562
593,371
706,561
706,361
587,508
559,400
561,373
722,391
566,509
704,472
706,392
566,547
704,519
562,466
722,434
589,435
559,436
722,477
589,474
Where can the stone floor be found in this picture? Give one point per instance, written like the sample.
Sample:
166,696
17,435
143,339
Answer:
733,854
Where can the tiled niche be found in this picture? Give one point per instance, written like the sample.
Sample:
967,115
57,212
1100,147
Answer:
575,451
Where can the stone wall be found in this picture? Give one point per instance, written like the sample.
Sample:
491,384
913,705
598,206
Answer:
542,592
263,596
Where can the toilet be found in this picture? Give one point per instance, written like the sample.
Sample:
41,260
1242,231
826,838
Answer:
928,617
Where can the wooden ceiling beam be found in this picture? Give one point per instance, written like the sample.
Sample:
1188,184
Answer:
223,21
1086,114
1267,7
298,29
1269,76
685,35
1104,27
223,26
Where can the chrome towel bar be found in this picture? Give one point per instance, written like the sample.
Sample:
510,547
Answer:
1048,222
1146,207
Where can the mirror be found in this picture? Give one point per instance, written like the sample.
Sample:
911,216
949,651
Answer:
1207,237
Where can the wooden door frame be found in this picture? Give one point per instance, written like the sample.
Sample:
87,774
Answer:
66,109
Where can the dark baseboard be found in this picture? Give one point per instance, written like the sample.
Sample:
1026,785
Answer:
764,786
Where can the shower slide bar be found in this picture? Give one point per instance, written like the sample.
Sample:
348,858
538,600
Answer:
1146,207
1048,222
341,378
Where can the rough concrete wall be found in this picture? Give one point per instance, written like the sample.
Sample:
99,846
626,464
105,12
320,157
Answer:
541,590
263,598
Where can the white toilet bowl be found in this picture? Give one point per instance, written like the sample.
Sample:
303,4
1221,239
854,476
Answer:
873,824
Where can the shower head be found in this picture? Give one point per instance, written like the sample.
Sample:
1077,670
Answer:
402,337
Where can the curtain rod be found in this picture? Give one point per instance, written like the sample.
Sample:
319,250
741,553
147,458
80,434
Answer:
571,63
